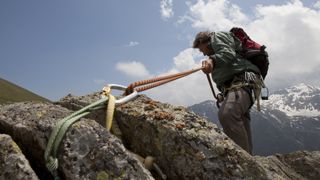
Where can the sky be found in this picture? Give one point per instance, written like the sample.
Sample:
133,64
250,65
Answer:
54,48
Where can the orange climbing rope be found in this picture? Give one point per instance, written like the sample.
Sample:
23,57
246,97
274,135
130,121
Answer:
157,81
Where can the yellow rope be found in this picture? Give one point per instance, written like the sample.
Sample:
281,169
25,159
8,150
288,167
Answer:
110,108
110,111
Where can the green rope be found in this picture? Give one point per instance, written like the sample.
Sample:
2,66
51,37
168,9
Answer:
59,131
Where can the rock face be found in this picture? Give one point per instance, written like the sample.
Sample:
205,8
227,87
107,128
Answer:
13,164
185,146
305,163
86,152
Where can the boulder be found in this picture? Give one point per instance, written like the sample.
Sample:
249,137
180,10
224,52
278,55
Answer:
182,144
87,151
13,164
185,145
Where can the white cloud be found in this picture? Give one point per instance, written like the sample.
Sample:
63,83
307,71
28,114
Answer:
132,44
133,69
185,60
215,15
187,90
290,31
166,9
317,5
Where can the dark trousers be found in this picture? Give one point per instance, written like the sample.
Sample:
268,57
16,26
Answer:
234,116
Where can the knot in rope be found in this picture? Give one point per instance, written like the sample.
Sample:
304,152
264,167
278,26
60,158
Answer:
52,164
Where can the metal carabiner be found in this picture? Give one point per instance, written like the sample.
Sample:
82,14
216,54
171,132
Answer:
127,98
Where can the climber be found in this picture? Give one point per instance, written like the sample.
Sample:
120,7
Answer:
234,77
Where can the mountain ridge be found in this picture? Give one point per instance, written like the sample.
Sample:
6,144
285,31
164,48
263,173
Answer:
299,100
10,92
284,123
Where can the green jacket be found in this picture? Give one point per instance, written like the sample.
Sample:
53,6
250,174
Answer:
227,62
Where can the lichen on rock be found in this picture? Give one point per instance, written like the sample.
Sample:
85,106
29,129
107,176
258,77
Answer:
86,149
185,145
13,164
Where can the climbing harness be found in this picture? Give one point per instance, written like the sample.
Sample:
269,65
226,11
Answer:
251,80
62,126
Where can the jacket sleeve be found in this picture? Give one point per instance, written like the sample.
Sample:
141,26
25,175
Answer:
224,47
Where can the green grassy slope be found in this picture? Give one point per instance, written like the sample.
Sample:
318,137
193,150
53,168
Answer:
10,92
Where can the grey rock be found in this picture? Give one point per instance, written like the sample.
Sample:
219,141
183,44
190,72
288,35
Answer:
13,164
187,146
278,169
303,162
87,151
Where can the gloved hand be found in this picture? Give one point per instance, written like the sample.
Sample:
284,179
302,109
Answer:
207,66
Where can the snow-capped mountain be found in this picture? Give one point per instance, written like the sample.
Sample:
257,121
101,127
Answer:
288,121
300,100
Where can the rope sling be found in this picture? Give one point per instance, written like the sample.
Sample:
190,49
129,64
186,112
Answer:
61,128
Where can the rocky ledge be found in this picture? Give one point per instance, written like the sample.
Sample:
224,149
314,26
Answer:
182,144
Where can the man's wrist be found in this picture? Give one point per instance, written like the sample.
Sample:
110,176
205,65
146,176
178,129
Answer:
212,60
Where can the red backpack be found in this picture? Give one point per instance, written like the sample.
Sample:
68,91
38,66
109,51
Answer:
252,51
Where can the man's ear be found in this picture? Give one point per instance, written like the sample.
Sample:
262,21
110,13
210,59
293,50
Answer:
210,48
209,45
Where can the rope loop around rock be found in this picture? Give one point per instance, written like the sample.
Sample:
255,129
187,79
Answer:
60,129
